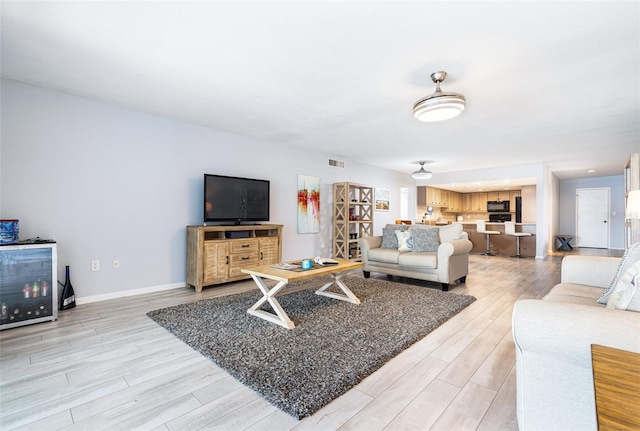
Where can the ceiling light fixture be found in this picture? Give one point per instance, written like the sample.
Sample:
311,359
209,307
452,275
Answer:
421,174
440,105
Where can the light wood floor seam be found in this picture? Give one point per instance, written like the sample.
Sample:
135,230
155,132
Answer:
106,366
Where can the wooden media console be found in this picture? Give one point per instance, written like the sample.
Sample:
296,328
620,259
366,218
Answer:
217,254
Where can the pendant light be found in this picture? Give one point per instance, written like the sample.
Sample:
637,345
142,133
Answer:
440,105
421,174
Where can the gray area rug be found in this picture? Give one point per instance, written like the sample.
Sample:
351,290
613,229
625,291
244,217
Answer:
333,347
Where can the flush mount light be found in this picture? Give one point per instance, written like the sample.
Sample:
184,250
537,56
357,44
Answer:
440,105
421,174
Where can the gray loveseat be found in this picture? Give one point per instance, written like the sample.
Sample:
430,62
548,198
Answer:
437,253
553,339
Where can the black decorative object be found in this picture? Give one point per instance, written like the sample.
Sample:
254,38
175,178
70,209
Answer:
68,299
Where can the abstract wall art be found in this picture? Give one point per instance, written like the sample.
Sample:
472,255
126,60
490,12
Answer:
308,204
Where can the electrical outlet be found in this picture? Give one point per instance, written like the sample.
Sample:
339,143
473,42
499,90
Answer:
95,265
116,263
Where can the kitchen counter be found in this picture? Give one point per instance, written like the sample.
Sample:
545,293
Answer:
502,244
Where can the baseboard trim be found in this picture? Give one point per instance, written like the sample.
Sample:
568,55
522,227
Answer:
125,293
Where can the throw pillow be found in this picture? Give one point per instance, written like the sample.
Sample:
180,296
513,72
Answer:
425,239
630,257
389,238
626,295
405,242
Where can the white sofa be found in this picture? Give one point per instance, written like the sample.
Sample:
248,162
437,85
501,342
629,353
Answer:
553,339
447,263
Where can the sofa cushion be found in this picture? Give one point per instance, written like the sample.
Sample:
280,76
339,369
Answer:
579,290
571,299
626,295
389,238
405,242
425,240
450,232
630,257
418,260
384,255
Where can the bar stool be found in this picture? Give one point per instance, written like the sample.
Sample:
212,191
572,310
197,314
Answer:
510,229
481,227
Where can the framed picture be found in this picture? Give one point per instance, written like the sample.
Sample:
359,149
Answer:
382,200
308,204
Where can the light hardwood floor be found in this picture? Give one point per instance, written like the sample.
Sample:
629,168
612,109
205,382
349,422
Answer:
106,366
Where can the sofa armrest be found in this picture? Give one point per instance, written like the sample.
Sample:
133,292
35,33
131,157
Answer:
597,271
366,244
566,331
453,248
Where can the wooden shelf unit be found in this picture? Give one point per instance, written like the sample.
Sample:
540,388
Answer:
352,218
216,254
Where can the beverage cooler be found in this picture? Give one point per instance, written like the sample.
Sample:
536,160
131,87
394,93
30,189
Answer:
28,284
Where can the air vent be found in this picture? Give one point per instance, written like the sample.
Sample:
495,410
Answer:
336,163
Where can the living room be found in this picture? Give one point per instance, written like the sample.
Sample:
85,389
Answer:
109,181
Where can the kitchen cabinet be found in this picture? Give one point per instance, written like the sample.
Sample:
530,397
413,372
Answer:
431,196
479,202
466,202
498,196
455,202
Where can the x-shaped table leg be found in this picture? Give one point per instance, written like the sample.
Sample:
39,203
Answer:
280,318
348,296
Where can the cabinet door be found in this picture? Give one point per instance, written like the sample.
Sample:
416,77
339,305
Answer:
422,196
454,201
269,251
493,196
445,198
467,201
216,261
503,196
479,201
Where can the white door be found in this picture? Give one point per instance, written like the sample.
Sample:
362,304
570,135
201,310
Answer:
592,218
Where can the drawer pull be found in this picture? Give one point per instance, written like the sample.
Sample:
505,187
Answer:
246,245
246,258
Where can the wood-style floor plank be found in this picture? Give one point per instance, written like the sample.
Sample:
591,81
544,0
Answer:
106,366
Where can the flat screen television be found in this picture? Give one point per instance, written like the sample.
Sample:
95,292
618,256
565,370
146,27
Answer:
235,199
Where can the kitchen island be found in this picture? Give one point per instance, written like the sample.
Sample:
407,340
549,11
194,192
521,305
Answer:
502,244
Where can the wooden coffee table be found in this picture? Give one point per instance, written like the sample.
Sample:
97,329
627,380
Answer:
284,277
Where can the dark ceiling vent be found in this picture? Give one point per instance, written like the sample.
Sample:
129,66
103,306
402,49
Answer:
336,163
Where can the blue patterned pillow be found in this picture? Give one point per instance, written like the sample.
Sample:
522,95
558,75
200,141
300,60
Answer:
389,238
425,239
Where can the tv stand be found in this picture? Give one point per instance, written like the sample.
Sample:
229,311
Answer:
216,254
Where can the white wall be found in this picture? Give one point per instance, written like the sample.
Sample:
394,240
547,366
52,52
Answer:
108,182
616,216
529,205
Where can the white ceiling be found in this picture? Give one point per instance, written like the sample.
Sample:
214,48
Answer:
546,82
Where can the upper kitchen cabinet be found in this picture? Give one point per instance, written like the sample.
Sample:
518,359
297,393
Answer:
498,196
431,196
